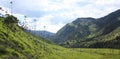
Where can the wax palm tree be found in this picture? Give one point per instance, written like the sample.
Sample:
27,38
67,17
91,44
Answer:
1,11
11,6
44,36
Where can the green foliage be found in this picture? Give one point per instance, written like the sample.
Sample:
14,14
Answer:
10,19
3,50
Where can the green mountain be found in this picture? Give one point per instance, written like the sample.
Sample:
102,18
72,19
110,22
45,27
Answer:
89,32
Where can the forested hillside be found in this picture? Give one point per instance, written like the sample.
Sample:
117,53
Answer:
103,32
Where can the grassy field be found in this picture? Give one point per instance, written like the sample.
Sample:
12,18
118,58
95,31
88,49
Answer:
88,53
91,53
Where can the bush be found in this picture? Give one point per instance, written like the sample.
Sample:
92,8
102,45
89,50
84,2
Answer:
3,50
11,19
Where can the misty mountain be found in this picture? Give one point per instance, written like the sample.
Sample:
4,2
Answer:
44,34
103,32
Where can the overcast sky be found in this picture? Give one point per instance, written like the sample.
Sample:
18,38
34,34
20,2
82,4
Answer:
54,14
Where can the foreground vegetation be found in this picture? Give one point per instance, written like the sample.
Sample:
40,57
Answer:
17,44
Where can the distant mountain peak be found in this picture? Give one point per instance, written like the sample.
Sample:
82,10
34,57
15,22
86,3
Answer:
43,34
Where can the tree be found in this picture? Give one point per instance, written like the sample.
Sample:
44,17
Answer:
44,36
1,12
11,19
24,24
11,6
34,25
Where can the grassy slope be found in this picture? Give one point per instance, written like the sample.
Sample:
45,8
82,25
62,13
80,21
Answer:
16,44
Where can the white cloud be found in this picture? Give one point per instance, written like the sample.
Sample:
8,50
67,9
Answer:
56,13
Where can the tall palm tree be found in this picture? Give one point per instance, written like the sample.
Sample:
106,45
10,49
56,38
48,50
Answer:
11,6
44,36
25,22
1,8
0,11
6,12
34,24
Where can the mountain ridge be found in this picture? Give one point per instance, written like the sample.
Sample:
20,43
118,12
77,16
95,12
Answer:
44,34
90,32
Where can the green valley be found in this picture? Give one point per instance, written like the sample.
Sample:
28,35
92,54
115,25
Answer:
15,43
59,29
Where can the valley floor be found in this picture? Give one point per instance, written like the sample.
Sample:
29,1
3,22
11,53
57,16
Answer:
89,53
98,53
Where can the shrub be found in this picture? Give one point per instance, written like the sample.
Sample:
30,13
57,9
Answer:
11,19
3,50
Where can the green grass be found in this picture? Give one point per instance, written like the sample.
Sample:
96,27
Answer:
16,44
101,53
